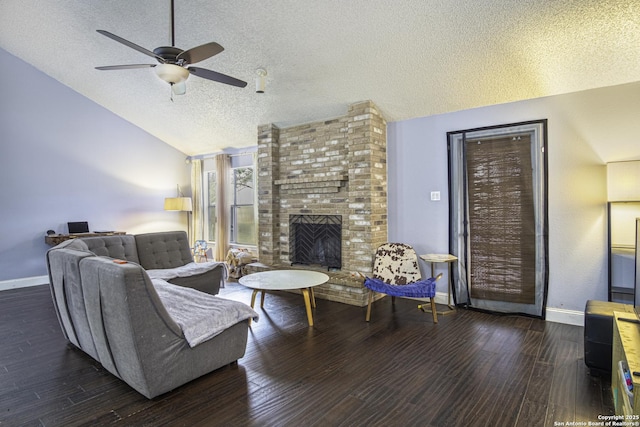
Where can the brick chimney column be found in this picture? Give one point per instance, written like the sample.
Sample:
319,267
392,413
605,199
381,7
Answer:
268,194
367,222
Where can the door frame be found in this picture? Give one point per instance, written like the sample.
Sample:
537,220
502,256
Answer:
458,203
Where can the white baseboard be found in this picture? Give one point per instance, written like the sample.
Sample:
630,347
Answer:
557,315
23,283
569,317
441,298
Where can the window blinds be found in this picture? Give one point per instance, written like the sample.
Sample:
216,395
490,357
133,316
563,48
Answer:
502,238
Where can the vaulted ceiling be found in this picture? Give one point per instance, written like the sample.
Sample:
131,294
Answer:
412,58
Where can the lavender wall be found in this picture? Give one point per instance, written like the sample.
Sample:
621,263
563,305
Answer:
65,158
586,130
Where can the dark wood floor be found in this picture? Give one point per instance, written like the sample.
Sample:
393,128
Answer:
399,370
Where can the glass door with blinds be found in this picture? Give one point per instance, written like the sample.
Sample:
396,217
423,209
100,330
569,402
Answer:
498,217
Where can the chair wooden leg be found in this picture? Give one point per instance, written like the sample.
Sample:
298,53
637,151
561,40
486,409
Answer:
368,317
433,310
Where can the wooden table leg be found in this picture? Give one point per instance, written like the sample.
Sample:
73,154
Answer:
253,297
452,308
253,301
262,299
307,304
313,298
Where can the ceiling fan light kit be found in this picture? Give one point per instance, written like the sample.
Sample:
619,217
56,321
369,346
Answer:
172,73
179,88
173,62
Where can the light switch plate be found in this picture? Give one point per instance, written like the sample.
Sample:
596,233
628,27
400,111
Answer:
435,196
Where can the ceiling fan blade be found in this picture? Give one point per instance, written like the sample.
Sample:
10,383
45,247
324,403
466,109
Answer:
131,45
216,77
125,67
200,53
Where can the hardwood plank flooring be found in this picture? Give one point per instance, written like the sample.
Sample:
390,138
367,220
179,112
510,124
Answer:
400,369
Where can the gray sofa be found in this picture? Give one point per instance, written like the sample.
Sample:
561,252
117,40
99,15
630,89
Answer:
165,255
152,334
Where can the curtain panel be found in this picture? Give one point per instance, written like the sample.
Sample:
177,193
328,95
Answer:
501,219
222,216
197,224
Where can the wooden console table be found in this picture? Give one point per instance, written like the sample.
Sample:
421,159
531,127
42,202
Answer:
56,239
626,359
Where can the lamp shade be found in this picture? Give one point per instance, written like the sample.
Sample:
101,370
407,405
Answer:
177,204
623,181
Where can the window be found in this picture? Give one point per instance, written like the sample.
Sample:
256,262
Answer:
239,200
243,221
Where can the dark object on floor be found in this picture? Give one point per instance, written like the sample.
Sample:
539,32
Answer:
598,334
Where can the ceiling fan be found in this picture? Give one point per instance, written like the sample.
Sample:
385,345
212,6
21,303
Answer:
174,64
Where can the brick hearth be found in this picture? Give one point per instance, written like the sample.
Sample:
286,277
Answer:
332,167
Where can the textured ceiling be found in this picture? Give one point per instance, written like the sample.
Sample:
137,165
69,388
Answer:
412,58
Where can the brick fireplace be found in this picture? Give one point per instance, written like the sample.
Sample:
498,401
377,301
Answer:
316,240
333,167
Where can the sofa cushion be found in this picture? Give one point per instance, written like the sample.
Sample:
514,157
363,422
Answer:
76,244
205,277
65,283
126,318
168,249
119,247
187,270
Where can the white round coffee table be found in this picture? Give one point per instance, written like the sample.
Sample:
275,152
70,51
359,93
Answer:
282,280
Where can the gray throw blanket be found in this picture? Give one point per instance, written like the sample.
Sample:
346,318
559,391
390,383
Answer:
187,270
200,316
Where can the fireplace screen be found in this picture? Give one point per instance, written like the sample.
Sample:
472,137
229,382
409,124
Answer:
316,239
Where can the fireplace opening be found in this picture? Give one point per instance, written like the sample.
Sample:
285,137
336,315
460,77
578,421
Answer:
316,239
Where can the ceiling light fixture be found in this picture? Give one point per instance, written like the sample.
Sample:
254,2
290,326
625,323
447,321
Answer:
174,63
172,73
175,75
260,80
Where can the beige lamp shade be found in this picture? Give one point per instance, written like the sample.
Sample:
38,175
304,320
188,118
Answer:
623,181
177,204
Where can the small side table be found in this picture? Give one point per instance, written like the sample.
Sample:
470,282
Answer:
444,258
